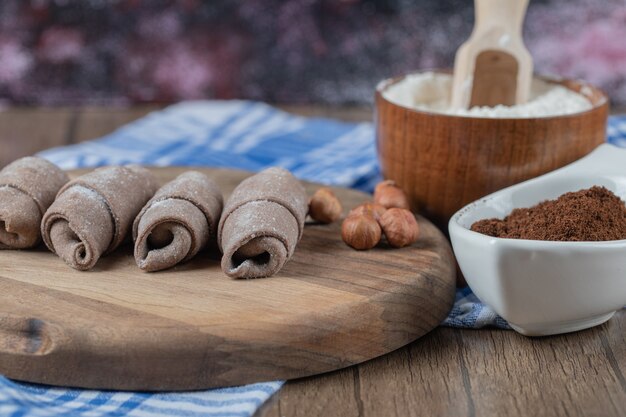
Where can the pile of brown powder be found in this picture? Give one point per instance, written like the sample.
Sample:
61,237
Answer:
594,214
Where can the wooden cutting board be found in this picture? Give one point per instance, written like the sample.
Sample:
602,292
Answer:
192,327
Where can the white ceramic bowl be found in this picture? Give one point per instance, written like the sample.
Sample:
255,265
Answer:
541,287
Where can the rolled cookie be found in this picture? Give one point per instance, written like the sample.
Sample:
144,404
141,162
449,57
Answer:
262,222
177,222
92,214
27,188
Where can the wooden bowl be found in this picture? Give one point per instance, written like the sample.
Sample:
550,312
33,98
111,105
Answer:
444,162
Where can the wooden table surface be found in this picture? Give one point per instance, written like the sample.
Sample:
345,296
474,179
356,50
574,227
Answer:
448,372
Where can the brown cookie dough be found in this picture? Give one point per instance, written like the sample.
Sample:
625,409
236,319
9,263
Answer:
92,214
27,188
262,222
177,222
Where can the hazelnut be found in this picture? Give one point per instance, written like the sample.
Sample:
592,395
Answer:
400,227
324,206
373,209
389,195
361,231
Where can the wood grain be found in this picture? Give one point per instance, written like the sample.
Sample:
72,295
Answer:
444,162
24,131
192,327
474,373
495,79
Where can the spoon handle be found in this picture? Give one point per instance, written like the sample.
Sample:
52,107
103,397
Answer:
493,66
505,16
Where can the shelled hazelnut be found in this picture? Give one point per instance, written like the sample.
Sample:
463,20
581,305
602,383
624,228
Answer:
387,215
400,227
361,231
389,195
324,206
373,209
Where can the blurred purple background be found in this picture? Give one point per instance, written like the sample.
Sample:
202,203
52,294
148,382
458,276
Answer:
299,51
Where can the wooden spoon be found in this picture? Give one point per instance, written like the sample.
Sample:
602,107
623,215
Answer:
493,66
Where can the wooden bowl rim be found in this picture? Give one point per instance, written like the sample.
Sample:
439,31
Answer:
602,102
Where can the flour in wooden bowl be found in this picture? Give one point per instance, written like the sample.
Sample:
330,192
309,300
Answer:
431,92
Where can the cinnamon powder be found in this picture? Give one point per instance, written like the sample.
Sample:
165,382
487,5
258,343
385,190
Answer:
594,214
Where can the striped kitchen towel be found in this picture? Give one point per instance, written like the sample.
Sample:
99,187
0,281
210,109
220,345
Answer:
31,400
616,131
235,134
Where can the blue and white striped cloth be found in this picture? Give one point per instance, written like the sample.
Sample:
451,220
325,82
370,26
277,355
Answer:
30,400
235,134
